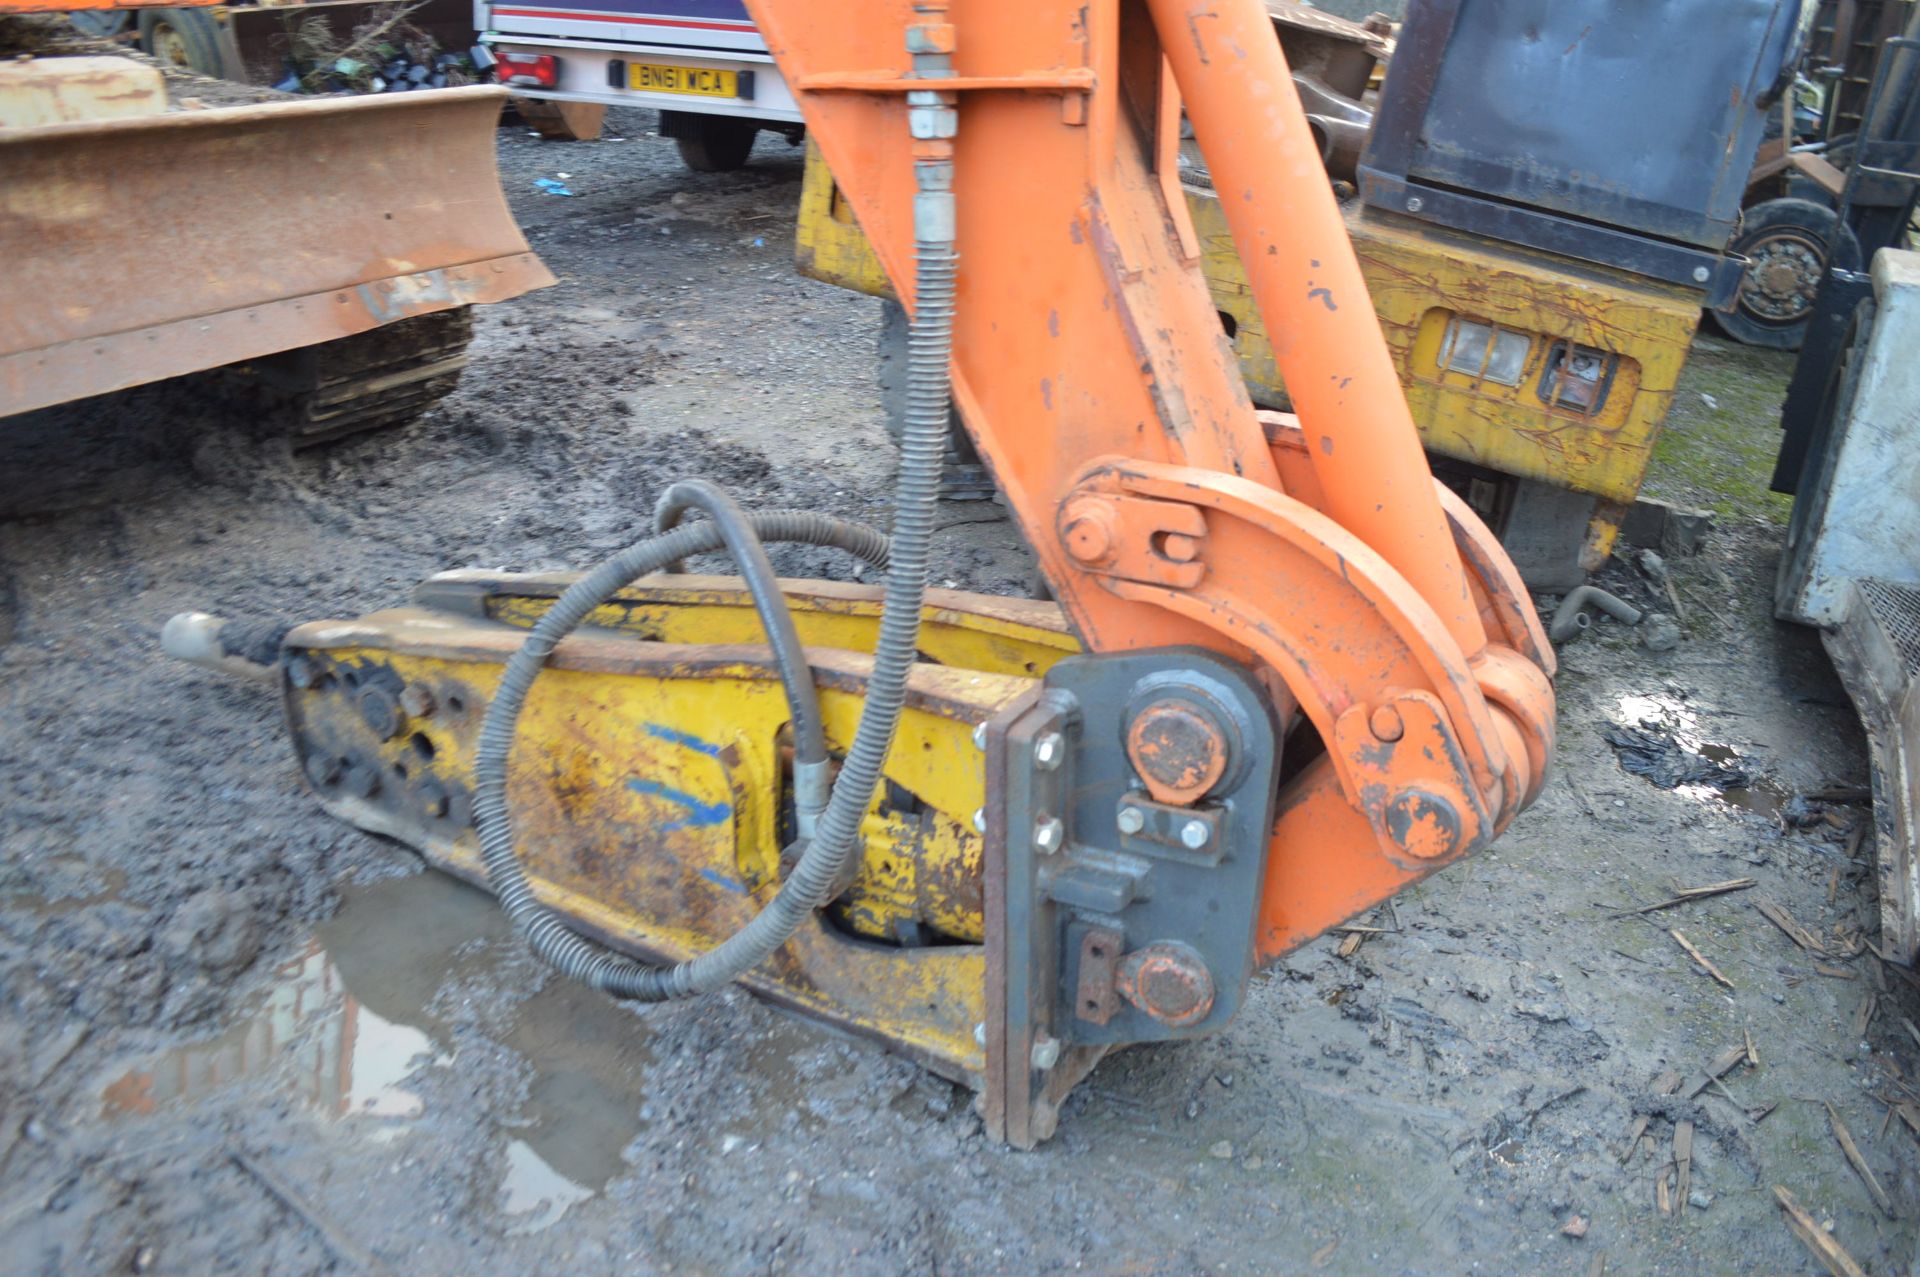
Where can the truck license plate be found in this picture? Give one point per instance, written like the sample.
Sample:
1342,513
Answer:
704,82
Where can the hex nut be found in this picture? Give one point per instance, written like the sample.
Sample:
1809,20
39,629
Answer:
381,712
1048,835
417,700
1049,751
1131,819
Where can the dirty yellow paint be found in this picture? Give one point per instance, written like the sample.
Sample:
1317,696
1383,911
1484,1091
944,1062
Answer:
1420,277
648,787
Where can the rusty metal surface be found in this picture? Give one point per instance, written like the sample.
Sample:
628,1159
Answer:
646,791
41,91
145,248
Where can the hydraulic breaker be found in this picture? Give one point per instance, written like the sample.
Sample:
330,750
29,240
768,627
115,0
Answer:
1288,674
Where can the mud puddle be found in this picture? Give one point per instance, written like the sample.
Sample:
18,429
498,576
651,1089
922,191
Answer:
1658,737
350,1027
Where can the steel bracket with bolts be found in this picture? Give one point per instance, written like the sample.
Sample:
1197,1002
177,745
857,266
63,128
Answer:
1113,916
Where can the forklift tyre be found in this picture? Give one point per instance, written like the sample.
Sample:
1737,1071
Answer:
1791,244
182,38
710,143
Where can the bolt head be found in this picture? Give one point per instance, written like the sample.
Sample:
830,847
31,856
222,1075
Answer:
1415,204
1045,1053
1701,274
1131,820
1049,751
979,735
980,820
1386,724
1048,835
1194,835
980,1033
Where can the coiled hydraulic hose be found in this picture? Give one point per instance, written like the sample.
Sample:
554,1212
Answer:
810,767
546,932
830,851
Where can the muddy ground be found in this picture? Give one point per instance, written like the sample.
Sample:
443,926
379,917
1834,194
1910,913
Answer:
238,1037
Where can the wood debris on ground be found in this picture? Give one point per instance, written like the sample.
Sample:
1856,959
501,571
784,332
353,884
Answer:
1351,945
1663,1084
1683,1163
1699,957
1780,918
1859,1163
1685,895
1722,1063
1865,1016
1831,1254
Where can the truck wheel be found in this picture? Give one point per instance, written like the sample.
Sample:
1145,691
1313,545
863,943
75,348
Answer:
182,38
1790,243
710,143
376,380
562,121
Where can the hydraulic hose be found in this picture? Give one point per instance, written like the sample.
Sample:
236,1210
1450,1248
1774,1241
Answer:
810,769
546,933
922,446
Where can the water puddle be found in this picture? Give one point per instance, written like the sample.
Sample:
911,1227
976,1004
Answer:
350,1022
1657,736
82,886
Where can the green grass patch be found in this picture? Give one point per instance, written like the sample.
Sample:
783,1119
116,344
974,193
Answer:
1719,456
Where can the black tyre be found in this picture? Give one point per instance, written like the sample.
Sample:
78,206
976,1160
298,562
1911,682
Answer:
1790,244
183,38
710,143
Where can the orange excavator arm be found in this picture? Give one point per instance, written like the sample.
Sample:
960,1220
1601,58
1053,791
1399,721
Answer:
1092,372
1311,674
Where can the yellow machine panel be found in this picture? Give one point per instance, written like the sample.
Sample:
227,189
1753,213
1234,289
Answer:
1526,364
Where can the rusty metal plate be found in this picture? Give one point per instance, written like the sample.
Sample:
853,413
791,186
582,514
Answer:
141,249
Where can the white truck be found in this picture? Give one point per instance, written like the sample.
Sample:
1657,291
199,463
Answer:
700,63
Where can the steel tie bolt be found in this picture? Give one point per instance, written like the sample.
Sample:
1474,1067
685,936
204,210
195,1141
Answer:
1049,750
979,735
1045,1053
1132,820
1195,834
980,1033
1048,834
980,820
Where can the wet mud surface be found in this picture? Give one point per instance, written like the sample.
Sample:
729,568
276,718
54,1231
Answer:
236,1036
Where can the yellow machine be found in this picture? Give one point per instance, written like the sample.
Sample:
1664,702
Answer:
1455,309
